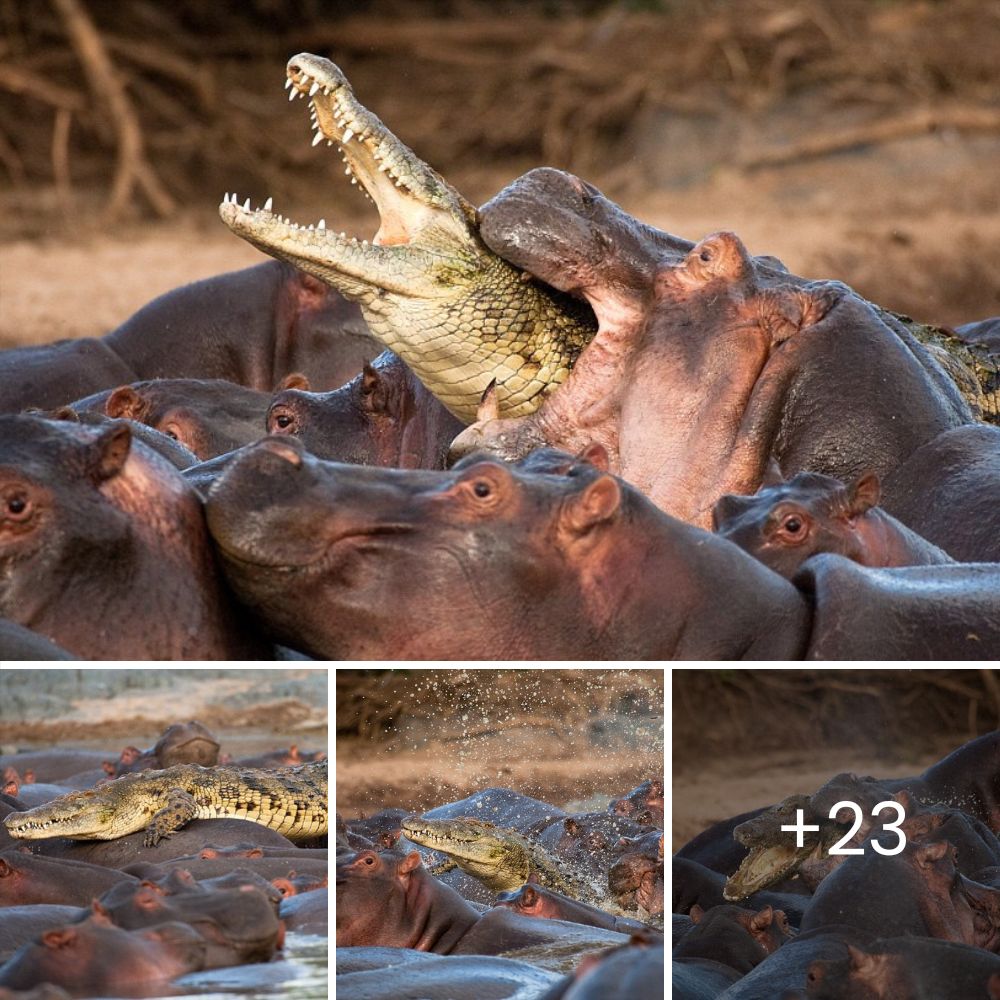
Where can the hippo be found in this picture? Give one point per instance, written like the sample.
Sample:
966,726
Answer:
20,643
177,454
95,958
180,743
707,361
632,971
486,540
388,899
737,937
948,491
928,896
786,522
252,327
384,417
607,572
27,879
104,551
906,968
643,804
636,877
209,417
537,901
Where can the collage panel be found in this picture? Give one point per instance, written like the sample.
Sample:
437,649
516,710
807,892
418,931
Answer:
835,834
163,833
500,833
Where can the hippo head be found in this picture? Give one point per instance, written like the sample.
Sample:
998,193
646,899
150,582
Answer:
564,231
787,522
356,561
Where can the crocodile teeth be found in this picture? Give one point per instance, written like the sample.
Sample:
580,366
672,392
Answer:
268,204
317,138
288,82
292,94
348,135
313,89
246,205
321,224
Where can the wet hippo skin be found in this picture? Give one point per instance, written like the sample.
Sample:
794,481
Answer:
608,573
252,327
103,548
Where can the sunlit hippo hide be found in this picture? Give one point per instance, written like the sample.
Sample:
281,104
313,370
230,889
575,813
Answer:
555,559
707,360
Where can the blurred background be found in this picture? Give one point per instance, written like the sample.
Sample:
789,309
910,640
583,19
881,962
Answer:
855,139
748,738
414,739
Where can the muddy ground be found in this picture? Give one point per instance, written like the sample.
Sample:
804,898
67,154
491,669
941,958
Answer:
855,141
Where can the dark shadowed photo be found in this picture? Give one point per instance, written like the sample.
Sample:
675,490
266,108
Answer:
835,834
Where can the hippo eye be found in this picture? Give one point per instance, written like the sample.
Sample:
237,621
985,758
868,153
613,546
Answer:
369,861
706,255
17,506
792,525
283,420
172,435
482,489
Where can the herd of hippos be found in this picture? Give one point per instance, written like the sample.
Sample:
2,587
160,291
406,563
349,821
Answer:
844,913
588,439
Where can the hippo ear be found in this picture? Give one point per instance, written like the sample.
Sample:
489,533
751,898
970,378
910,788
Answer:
599,502
861,961
296,380
374,391
410,863
529,896
489,405
596,455
864,494
696,913
109,451
61,937
728,507
66,413
126,402
762,920
773,475
928,854
571,826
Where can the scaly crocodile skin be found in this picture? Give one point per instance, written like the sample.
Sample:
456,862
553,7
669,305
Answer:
500,859
291,801
460,316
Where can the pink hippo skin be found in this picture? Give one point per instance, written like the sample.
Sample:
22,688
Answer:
361,562
707,361
786,522
103,548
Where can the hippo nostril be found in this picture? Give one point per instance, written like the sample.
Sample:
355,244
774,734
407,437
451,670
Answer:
283,447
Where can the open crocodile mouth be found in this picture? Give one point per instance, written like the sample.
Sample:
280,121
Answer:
409,195
763,867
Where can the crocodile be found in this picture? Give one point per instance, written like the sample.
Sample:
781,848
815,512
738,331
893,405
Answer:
432,289
429,288
291,801
501,859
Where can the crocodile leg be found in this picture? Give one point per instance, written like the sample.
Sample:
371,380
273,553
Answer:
180,809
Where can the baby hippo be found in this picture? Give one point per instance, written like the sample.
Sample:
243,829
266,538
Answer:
786,522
